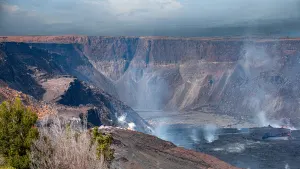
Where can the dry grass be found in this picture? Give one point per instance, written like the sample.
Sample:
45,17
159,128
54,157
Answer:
2,161
6,167
65,147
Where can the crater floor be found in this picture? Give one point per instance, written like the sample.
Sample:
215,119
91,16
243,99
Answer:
219,136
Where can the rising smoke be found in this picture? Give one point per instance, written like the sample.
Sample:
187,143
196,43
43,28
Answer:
143,88
263,84
286,166
151,90
123,121
210,134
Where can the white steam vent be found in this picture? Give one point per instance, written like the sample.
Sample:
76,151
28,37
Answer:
264,121
122,119
210,133
194,135
286,166
131,126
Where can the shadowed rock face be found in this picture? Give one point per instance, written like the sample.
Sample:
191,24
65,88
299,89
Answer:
106,110
49,78
72,59
235,76
18,62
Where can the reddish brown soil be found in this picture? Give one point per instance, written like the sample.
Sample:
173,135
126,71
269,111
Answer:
134,150
41,108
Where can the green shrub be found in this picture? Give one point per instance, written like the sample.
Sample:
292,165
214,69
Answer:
17,133
103,143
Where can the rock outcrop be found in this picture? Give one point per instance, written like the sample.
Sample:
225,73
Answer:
106,110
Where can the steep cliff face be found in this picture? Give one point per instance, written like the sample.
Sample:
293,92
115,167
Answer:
237,76
20,60
72,59
49,77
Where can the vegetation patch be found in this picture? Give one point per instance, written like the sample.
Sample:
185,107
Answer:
17,133
103,143
59,144
66,145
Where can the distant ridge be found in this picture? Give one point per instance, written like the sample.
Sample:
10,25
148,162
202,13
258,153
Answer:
82,39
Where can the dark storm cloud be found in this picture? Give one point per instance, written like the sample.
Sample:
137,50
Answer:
150,17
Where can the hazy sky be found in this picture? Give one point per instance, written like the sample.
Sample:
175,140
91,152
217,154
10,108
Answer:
150,17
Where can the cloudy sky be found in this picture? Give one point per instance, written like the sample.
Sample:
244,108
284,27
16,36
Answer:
150,17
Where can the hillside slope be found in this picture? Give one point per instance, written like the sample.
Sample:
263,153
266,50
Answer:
134,150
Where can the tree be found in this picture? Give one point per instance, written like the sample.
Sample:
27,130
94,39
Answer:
17,133
103,143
